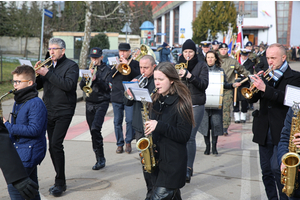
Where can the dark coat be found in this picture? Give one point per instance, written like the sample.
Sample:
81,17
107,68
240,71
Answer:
213,118
170,136
28,132
200,55
60,85
117,93
272,112
198,82
10,162
262,63
164,54
100,86
137,120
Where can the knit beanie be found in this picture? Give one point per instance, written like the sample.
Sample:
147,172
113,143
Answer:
189,44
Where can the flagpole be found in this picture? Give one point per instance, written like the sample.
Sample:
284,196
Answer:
42,34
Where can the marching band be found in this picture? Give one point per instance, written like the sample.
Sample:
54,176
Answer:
203,84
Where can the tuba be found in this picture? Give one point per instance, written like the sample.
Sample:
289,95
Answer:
7,93
248,92
289,176
87,88
42,64
145,50
145,144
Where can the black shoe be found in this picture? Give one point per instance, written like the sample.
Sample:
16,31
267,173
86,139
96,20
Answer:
207,151
99,164
57,190
189,173
225,134
243,121
214,149
237,122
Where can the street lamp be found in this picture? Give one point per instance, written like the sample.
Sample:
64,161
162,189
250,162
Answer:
126,29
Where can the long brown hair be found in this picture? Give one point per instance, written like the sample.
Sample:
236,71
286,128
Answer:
184,106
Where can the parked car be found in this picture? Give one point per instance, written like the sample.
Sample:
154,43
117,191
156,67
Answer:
176,52
109,53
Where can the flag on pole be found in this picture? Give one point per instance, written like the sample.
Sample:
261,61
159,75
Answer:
224,37
239,42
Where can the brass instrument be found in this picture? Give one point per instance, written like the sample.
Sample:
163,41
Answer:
181,66
143,81
248,92
7,93
42,64
289,176
123,68
145,50
145,144
88,89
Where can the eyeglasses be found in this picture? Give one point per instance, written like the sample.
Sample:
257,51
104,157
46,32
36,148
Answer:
54,49
18,82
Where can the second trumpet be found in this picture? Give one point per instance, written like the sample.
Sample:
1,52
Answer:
42,65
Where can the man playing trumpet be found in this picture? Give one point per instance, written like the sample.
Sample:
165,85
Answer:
117,95
97,103
268,121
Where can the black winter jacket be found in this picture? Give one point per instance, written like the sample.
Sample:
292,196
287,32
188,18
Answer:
198,82
100,86
117,92
60,85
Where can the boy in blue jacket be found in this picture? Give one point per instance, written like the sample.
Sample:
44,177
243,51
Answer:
28,124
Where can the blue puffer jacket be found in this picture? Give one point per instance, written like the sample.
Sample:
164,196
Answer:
28,132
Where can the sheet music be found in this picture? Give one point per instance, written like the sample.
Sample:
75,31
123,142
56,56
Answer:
292,93
139,93
113,60
129,84
85,73
25,62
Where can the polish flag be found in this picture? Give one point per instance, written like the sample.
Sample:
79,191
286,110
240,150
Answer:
239,42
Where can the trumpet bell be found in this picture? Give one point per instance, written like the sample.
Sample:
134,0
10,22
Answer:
247,93
87,89
143,144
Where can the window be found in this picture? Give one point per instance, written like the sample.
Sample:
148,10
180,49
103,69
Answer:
176,25
167,27
282,11
251,7
158,30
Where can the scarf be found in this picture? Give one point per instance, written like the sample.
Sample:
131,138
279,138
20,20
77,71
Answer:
25,94
191,64
279,72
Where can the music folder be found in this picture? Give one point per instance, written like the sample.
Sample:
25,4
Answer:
25,62
85,73
292,94
140,94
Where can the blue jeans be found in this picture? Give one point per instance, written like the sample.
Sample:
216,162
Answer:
118,120
191,144
271,174
15,194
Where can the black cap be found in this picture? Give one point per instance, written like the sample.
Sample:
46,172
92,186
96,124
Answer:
215,42
189,44
96,52
165,44
205,43
124,47
249,44
223,45
245,52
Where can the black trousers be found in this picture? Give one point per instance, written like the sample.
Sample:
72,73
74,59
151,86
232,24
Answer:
162,193
95,114
244,108
57,128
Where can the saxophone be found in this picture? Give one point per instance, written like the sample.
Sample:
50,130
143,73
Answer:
289,175
4,95
145,144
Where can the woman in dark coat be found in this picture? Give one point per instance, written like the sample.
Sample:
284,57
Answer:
171,123
195,77
213,117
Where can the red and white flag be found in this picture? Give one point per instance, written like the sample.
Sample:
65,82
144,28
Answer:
239,42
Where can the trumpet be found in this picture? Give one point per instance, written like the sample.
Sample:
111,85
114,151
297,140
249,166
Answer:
42,64
181,66
88,89
249,92
143,81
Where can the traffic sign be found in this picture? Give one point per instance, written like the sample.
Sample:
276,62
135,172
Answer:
48,13
182,30
149,35
182,36
161,34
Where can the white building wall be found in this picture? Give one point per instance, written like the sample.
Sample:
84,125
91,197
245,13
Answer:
163,30
185,20
170,42
266,35
295,25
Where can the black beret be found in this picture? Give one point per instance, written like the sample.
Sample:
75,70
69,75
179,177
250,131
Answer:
223,45
249,44
124,47
215,42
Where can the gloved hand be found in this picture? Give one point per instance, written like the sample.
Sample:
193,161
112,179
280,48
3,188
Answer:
27,188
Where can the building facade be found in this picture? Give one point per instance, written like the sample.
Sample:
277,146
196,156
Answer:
263,22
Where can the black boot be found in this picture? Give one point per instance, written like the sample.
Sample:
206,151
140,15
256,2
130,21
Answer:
214,145
189,173
100,159
207,142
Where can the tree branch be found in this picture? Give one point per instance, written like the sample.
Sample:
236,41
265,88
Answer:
105,16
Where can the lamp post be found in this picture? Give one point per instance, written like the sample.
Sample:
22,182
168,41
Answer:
126,29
